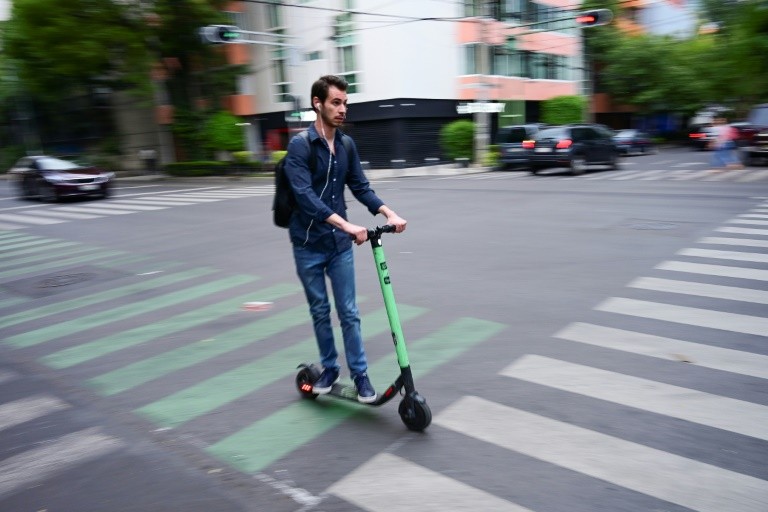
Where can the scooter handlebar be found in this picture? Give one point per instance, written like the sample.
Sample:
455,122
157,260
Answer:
378,230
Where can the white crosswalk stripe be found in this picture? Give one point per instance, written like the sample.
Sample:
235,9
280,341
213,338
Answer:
391,481
698,354
734,322
387,483
666,476
39,464
127,204
682,403
742,231
26,409
624,174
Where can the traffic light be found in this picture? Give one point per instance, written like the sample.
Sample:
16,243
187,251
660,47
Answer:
594,18
216,34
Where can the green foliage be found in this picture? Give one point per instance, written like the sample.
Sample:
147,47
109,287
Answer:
242,157
223,134
277,156
492,156
662,73
457,139
188,129
210,168
563,110
64,46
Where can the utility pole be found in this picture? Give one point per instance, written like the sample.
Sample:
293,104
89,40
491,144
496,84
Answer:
481,114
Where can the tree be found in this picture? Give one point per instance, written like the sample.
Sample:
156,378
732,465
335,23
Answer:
85,49
563,110
223,133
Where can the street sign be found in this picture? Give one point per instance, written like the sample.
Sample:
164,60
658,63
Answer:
475,108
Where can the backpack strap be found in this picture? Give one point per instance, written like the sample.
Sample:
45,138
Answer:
304,134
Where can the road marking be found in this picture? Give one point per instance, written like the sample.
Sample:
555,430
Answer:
63,263
151,202
27,409
22,242
146,370
85,352
139,285
715,411
8,376
733,241
701,289
43,254
714,270
132,310
115,205
387,482
25,470
754,176
685,482
210,394
29,220
725,255
97,210
178,199
63,215
753,216
49,247
749,221
743,231
698,317
263,442
707,356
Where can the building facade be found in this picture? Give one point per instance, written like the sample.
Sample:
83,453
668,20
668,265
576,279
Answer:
409,66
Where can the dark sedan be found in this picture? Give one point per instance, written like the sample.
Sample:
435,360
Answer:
575,146
633,142
51,179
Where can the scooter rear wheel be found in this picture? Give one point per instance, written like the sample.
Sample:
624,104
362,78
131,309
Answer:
306,377
415,413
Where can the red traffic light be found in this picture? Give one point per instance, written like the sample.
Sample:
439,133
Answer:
594,18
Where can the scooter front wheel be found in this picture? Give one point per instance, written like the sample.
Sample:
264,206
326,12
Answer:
305,380
415,412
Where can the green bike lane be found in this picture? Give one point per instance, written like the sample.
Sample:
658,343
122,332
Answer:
176,403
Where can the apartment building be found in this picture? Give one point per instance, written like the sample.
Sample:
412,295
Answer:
410,65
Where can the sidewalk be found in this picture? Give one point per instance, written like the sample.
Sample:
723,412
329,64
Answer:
371,174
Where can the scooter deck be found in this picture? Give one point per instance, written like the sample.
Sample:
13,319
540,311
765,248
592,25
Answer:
349,392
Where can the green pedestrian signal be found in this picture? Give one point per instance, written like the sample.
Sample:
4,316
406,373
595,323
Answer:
217,34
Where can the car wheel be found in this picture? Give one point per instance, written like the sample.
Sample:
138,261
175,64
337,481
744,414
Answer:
578,165
26,189
613,163
48,193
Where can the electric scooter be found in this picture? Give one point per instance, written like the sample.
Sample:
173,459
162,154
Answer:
413,409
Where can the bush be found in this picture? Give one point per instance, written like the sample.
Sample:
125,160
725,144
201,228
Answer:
563,110
277,156
492,156
457,139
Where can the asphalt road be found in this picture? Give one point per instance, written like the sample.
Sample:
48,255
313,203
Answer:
590,343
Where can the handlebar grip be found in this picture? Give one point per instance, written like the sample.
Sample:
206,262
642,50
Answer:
388,228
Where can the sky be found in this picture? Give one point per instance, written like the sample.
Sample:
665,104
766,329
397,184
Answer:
5,9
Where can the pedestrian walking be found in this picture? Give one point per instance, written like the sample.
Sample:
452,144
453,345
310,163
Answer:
724,146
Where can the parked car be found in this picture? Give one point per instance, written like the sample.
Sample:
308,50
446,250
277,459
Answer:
753,138
701,136
51,179
510,139
576,146
633,141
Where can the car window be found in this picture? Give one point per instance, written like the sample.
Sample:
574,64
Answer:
581,134
552,133
759,116
513,135
625,134
55,164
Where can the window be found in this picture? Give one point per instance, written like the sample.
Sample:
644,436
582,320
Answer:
274,19
345,44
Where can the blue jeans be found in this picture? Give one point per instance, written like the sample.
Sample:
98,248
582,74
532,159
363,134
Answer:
724,155
312,266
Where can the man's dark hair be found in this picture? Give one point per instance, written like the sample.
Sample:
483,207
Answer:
322,84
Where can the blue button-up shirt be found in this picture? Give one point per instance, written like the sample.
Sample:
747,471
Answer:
320,193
